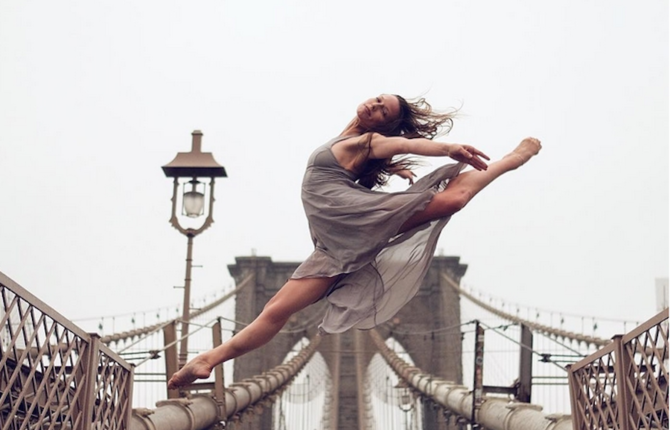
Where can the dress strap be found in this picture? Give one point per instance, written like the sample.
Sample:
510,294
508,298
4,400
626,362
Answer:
340,139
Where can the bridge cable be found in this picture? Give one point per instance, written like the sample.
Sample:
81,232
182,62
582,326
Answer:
156,327
522,345
536,326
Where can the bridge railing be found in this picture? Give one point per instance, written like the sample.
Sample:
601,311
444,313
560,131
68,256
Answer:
624,385
52,373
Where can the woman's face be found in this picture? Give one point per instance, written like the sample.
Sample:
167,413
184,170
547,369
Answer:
378,111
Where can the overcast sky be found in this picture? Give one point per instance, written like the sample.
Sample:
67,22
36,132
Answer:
96,96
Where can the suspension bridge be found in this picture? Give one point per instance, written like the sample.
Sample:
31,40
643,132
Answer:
453,358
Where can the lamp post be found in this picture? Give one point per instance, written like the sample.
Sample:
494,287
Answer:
406,402
189,170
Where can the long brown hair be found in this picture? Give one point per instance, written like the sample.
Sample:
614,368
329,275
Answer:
416,119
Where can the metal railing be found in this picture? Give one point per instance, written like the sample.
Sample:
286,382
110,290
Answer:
624,386
53,375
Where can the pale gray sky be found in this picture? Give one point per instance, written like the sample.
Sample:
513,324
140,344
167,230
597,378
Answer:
96,96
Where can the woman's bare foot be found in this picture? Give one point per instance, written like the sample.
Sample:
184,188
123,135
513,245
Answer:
528,148
198,368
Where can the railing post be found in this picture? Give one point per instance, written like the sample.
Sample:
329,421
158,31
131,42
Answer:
575,388
171,365
129,391
90,378
219,391
478,381
623,397
523,393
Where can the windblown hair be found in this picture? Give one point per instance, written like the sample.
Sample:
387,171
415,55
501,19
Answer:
416,119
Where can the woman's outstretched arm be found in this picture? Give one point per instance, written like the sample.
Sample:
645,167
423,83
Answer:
386,147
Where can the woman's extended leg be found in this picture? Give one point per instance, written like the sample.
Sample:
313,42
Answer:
295,295
463,188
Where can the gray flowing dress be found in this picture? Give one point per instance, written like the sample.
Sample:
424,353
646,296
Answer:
355,235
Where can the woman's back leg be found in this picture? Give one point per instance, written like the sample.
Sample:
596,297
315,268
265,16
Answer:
294,296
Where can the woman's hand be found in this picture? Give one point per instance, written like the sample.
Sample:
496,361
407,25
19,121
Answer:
468,154
406,174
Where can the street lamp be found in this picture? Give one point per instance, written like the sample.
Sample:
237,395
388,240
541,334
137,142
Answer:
406,402
194,173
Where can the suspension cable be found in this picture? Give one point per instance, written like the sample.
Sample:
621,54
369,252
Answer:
155,327
526,347
153,353
436,330
536,326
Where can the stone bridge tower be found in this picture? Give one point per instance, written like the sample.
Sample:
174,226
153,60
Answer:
348,355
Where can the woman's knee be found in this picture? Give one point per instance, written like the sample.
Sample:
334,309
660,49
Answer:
294,296
453,200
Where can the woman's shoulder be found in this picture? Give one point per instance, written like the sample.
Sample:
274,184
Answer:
359,140
347,142
348,138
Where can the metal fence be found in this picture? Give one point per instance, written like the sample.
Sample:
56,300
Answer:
53,375
624,386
